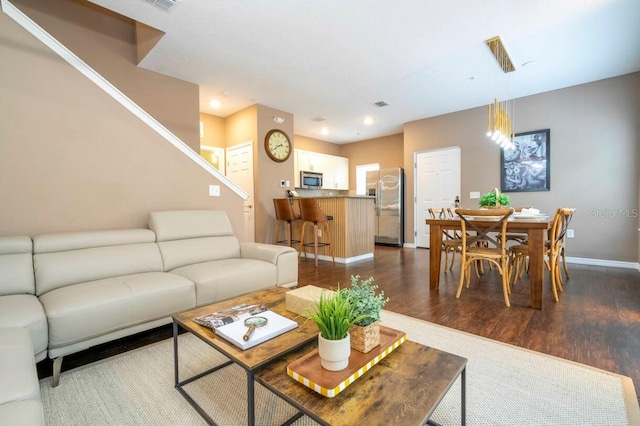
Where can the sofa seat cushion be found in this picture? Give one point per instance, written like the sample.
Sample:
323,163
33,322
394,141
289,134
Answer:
83,311
18,377
25,310
222,279
22,413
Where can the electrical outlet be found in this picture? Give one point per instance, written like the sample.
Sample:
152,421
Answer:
474,195
214,190
569,233
319,233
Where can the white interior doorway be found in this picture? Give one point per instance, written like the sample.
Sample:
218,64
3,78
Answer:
437,183
240,171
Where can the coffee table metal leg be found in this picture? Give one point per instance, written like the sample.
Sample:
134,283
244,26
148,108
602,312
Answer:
251,420
175,352
463,396
463,400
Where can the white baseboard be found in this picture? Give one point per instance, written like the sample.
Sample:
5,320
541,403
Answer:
345,260
603,262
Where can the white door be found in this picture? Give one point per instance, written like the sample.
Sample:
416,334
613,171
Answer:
437,183
240,171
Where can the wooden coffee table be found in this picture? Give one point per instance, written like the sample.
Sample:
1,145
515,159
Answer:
249,359
404,388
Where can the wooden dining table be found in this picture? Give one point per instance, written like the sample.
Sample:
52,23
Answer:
536,230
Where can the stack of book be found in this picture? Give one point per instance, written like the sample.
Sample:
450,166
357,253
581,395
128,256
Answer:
229,324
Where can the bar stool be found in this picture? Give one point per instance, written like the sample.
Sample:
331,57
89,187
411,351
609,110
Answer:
285,213
310,212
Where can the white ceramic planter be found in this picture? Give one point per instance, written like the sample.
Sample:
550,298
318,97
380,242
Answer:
334,354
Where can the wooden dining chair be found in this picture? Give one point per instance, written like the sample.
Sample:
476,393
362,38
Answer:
569,215
451,242
519,254
492,249
518,237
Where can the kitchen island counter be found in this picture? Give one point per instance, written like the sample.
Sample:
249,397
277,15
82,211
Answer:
352,227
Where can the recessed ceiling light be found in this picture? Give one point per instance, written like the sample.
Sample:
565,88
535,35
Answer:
324,131
215,103
368,121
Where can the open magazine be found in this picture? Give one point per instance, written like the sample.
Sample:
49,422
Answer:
228,316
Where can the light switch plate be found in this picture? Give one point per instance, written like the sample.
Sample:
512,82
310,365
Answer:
214,190
474,195
569,233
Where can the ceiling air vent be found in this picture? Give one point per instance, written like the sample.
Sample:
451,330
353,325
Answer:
381,104
163,4
318,119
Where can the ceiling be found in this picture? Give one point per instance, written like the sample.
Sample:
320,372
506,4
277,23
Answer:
335,58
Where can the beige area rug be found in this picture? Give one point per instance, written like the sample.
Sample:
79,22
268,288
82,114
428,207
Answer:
505,386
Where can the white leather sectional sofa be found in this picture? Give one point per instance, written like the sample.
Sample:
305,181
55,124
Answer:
75,290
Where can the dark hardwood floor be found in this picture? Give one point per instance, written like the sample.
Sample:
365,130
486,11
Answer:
596,322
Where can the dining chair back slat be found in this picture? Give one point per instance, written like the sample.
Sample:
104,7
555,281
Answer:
474,248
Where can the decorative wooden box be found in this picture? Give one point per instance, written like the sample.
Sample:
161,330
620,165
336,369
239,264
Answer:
301,299
308,370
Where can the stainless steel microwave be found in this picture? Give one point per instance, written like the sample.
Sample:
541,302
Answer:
310,180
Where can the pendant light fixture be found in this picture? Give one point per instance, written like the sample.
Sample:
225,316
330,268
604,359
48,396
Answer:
500,113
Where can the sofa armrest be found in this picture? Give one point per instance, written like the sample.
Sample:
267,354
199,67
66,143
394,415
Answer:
284,258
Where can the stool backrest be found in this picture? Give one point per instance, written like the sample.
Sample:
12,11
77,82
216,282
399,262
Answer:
310,210
284,209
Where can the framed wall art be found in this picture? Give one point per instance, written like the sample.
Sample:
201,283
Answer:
526,167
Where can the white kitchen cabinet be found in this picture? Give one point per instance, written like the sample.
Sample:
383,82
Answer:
334,169
341,173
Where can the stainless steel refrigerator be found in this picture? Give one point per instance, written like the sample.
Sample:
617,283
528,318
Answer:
387,185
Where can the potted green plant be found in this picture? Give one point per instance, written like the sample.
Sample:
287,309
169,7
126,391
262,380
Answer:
494,199
365,334
334,315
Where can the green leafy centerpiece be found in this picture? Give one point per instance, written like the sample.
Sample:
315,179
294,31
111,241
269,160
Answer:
334,316
365,334
494,199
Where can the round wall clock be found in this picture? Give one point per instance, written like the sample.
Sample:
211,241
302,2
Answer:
277,145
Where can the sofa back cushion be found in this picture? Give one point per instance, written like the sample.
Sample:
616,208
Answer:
76,257
16,266
186,237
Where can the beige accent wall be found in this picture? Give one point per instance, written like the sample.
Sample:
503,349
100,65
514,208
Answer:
386,151
72,159
594,160
214,130
106,41
316,145
269,173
